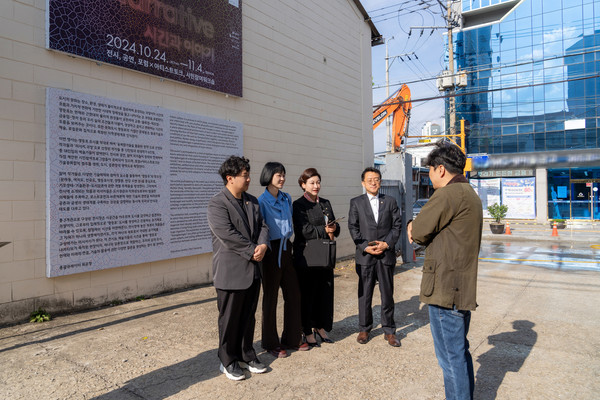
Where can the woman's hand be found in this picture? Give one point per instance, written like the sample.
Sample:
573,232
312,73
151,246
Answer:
330,230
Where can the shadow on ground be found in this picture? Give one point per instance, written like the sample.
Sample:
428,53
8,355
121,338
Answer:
101,325
509,352
409,316
165,382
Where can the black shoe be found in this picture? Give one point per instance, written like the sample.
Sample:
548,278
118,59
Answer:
311,344
233,371
324,340
254,366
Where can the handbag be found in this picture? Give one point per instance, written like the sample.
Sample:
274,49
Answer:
320,253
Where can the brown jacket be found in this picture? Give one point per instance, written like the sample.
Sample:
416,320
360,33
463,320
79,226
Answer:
450,226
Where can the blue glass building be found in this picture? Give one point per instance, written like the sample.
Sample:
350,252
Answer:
534,87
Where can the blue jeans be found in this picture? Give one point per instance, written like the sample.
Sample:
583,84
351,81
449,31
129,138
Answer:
449,328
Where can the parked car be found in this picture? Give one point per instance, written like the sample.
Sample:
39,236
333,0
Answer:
417,206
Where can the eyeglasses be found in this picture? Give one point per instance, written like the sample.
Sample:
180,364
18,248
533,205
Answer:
374,180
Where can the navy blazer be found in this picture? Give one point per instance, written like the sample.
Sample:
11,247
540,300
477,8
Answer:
364,229
234,239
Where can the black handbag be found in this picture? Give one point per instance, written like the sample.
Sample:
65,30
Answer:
320,253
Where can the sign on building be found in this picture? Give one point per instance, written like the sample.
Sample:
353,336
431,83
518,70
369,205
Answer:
190,41
128,183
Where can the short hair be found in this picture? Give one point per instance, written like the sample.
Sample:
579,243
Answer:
370,169
269,171
447,154
233,166
307,174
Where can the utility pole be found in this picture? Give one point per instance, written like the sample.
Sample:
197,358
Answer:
390,148
451,99
450,23
388,126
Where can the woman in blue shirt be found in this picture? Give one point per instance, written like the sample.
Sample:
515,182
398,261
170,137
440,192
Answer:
278,269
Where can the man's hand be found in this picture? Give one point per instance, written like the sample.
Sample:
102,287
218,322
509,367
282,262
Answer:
383,246
376,249
259,252
409,231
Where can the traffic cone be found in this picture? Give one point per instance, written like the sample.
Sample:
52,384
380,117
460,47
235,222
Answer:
554,229
507,231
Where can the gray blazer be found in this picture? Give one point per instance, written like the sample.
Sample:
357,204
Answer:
364,229
234,239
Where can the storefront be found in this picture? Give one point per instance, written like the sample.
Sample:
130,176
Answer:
573,193
513,188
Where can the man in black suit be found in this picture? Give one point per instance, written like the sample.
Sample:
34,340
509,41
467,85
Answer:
374,222
239,238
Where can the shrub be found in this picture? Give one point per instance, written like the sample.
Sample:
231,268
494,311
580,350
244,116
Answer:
39,316
498,211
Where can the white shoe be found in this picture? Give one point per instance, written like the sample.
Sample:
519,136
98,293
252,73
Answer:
254,366
233,371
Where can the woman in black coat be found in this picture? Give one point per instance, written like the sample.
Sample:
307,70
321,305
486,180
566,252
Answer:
312,216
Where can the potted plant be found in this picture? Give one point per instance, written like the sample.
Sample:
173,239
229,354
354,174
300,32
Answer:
498,212
560,223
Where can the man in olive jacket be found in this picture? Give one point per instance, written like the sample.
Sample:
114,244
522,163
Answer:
450,226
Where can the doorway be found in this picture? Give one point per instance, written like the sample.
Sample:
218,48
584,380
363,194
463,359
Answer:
585,200
574,193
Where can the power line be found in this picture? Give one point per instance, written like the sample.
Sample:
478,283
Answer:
403,5
472,71
488,90
417,73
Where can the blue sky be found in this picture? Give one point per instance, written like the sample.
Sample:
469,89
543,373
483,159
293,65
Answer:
394,18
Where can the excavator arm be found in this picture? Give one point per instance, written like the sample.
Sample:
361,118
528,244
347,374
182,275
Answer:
398,105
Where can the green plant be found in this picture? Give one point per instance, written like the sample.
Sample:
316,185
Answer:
558,220
39,316
140,298
498,211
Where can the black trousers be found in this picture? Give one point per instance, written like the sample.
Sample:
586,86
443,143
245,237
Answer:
368,275
236,323
316,287
285,277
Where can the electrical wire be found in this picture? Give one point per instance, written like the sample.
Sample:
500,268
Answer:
499,68
490,90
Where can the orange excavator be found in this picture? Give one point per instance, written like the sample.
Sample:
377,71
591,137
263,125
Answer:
398,105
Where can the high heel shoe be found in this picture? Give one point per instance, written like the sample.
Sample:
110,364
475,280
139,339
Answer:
311,344
324,340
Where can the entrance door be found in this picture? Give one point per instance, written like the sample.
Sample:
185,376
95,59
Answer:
581,200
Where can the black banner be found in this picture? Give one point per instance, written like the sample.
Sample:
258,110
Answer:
198,42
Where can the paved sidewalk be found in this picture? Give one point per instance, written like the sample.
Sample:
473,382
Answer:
534,336
581,232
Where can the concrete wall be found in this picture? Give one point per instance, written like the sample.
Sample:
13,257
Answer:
306,102
541,195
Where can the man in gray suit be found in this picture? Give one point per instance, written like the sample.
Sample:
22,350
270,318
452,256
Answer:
239,237
374,222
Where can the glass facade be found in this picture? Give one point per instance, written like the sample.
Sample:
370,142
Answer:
533,79
468,5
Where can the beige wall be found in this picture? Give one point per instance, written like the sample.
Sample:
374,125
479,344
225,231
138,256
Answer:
306,102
